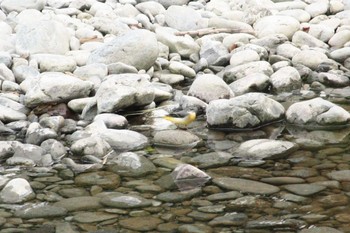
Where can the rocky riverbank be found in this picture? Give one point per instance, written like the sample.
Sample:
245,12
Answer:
85,86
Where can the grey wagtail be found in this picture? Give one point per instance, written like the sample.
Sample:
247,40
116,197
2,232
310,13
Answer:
184,121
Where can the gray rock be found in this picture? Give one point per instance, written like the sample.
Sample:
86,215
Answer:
79,203
248,110
168,3
180,68
113,121
343,175
124,90
175,138
232,73
299,14
18,6
121,68
254,82
276,24
233,39
131,164
53,147
243,57
214,52
93,217
301,38
304,189
265,149
188,177
187,228
320,230
55,62
283,180
303,58
245,186
287,50
317,8
219,22
53,122
6,149
322,32
317,111
6,59
175,197
208,87
183,45
286,79
212,159
14,105
41,211
128,49
104,179
144,223
230,219
6,73
26,153
56,87
36,134
340,54
224,196
46,36
124,140
95,69
150,7
333,79
17,190
9,115
275,223
91,146
124,201
171,78
339,39
183,18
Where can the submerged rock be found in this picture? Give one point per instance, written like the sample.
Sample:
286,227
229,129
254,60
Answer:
265,149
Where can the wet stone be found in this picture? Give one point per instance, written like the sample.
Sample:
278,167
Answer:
104,179
41,211
213,159
79,203
334,200
245,202
245,186
320,230
230,219
194,228
178,196
124,201
131,164
147,223
258,224
90,217
304,189
200,216
212,209
343,175
283,180
224,196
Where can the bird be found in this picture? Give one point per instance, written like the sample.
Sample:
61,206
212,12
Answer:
184,121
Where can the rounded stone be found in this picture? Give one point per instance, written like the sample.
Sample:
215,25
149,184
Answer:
107,180
146,223
245,186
